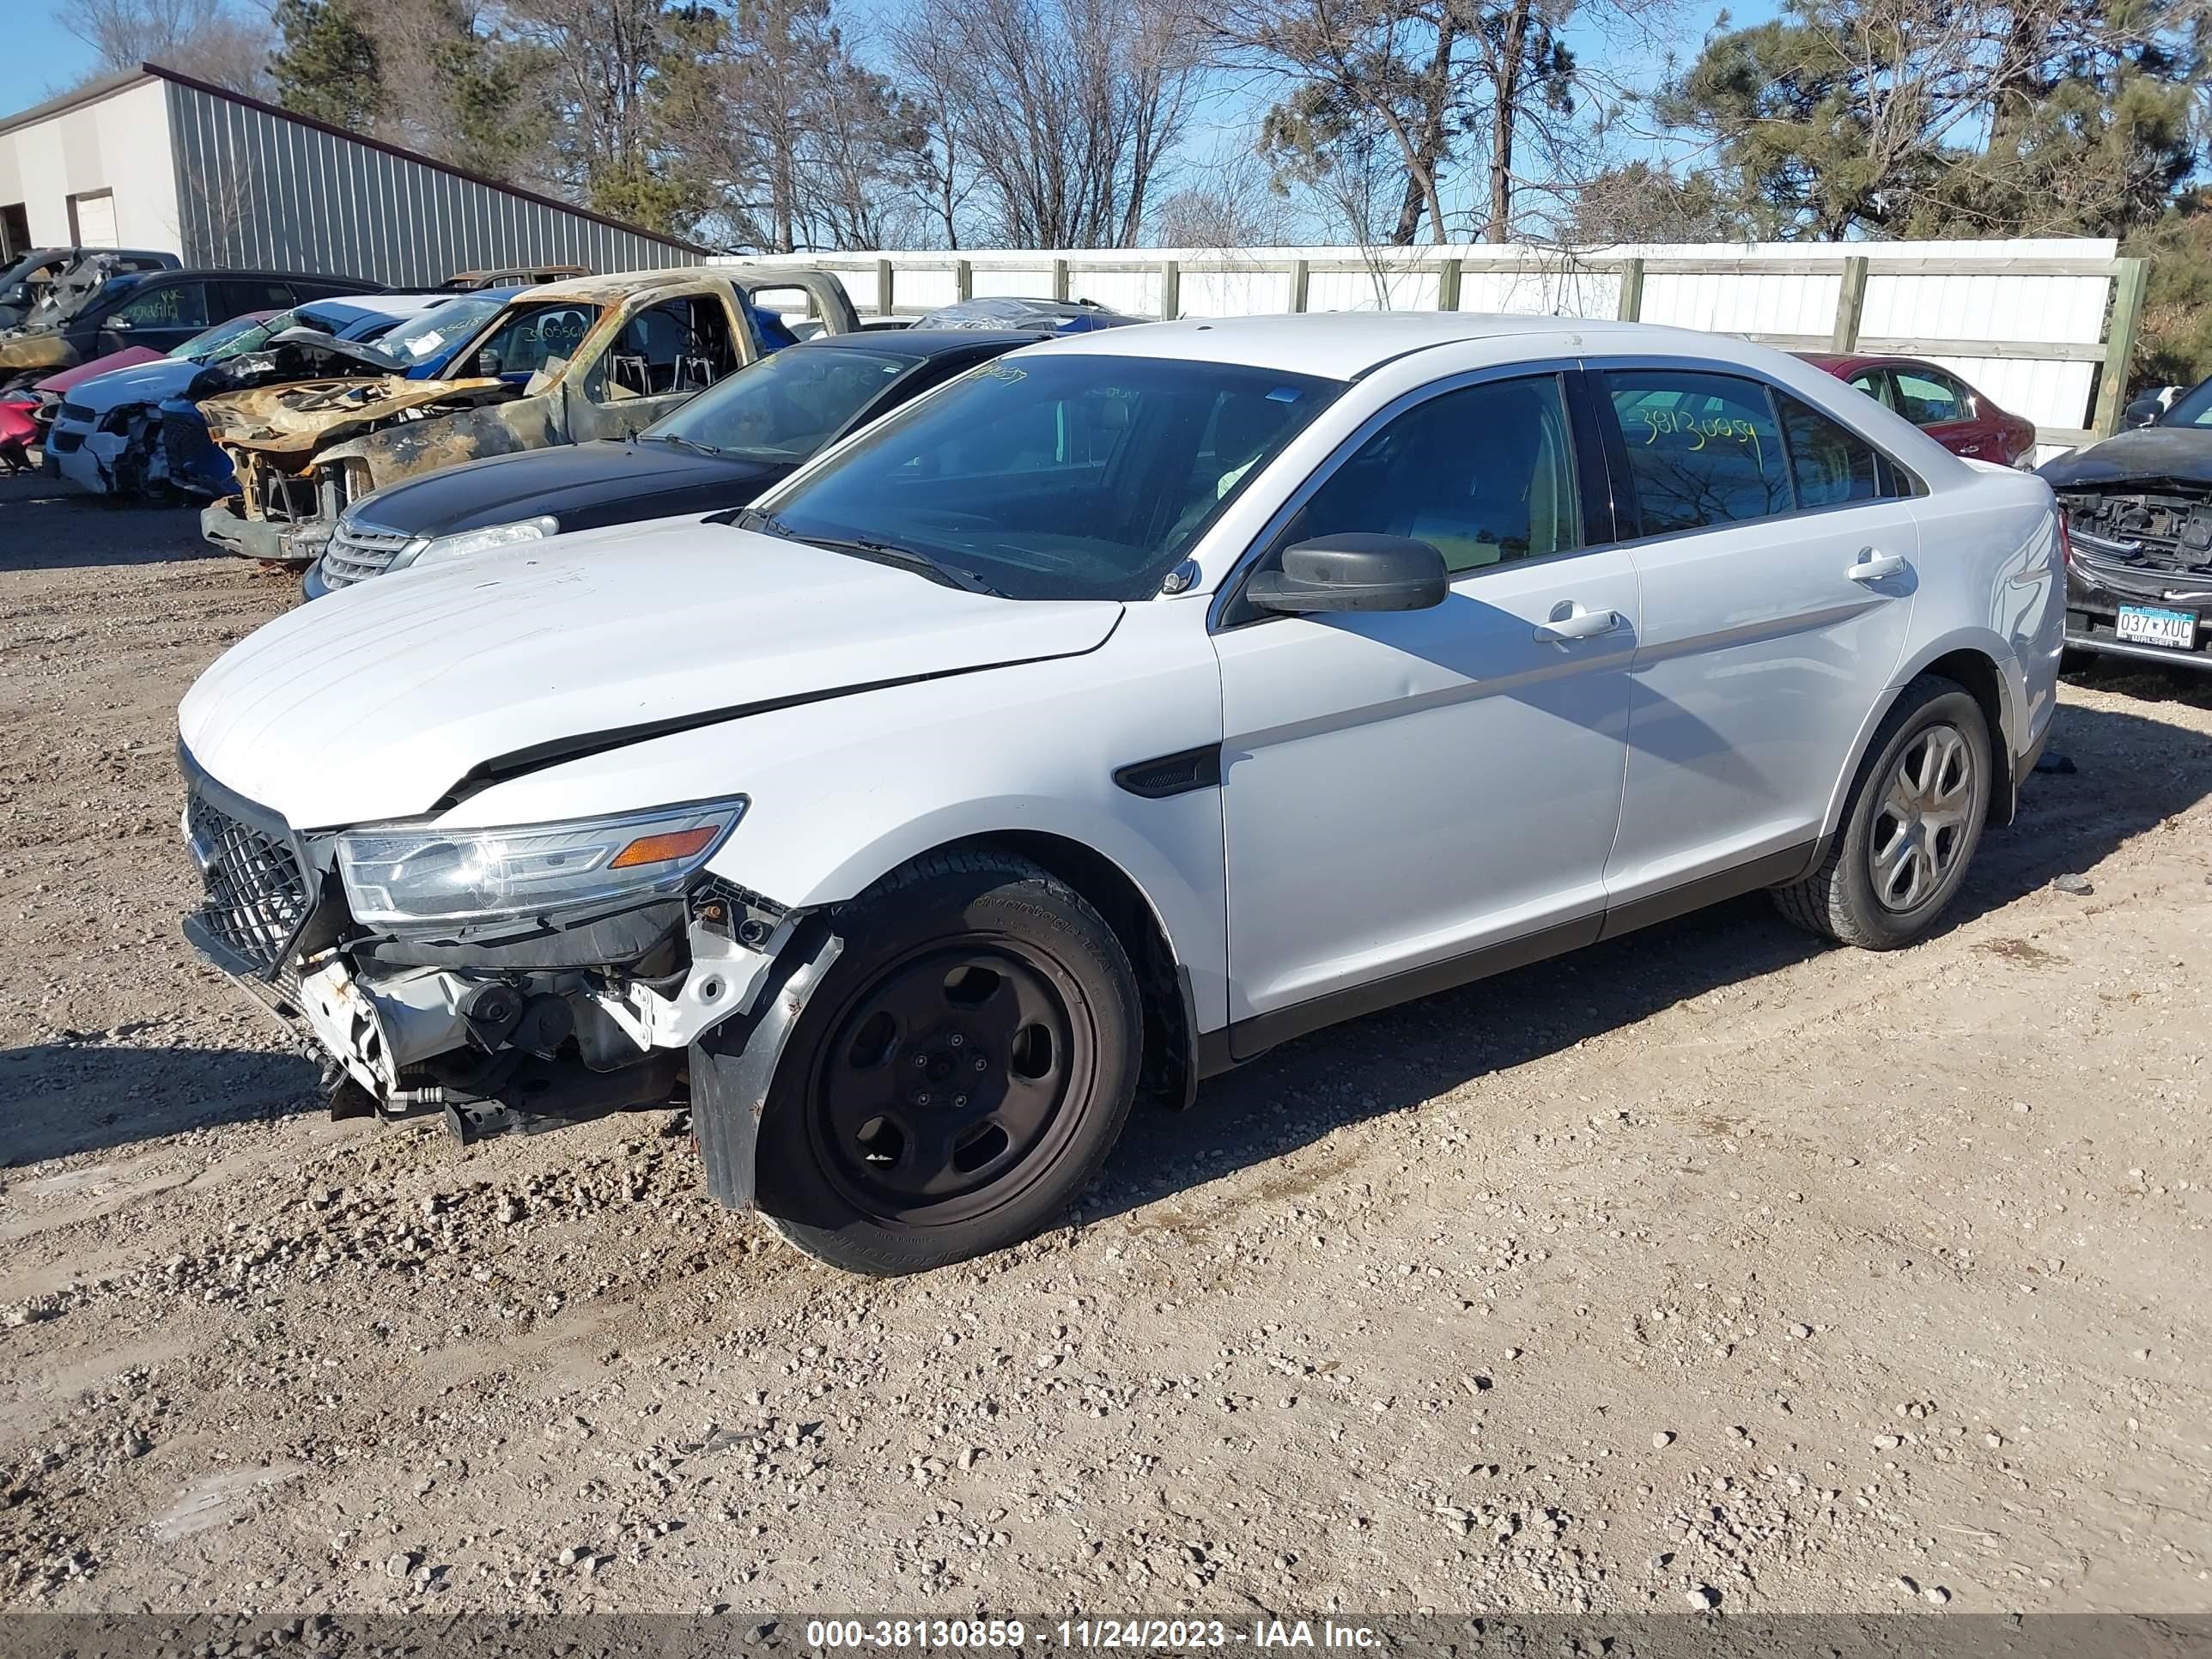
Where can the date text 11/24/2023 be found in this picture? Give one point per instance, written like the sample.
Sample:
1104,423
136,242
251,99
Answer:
1169,1635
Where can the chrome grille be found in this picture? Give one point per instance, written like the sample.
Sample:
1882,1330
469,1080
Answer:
77,414
256,894
357,552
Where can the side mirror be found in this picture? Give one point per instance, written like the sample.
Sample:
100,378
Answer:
1352,572
2142,412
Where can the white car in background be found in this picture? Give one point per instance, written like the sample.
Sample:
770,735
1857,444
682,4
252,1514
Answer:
1121,709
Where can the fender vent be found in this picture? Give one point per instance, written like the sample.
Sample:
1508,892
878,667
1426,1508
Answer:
1172,775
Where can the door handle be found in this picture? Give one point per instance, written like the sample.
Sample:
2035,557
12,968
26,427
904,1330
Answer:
1578,625
1873,567
1970,449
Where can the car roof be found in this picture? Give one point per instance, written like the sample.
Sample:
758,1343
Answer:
1848,362
1345,345
398,306
613,284
921,343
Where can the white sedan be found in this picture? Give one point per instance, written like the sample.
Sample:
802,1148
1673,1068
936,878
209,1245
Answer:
1125,707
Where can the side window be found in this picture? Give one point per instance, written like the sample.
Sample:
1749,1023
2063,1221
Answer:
173,305
1875,384
534,340
1703,449
238,297
1485,474
1928,399
678,346
1829,464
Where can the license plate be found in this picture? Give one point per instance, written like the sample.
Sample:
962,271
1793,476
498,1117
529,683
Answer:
2153,624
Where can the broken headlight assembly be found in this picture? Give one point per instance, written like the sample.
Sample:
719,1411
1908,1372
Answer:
409,879
464,543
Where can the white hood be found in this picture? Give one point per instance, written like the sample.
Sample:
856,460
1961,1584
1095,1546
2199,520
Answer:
373,704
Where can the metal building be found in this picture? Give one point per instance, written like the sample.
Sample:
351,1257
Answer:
153,159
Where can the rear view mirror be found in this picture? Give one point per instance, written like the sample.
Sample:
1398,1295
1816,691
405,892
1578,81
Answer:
1352,572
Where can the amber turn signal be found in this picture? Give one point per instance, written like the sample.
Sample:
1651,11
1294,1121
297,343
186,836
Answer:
659,849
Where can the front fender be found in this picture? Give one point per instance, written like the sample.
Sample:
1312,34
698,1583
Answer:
847,789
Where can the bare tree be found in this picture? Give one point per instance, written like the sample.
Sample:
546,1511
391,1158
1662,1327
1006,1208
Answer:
1060,113
210,38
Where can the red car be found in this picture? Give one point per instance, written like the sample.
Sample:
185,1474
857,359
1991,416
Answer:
1940,404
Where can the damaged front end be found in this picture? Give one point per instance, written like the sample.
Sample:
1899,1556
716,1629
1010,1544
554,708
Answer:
620,974
303,452
2139,571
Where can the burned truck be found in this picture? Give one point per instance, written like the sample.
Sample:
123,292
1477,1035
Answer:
2138,509
593,357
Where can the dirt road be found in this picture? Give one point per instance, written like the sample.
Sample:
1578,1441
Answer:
1705,1267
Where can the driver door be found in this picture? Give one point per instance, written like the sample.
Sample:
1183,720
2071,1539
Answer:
661,357
1414,798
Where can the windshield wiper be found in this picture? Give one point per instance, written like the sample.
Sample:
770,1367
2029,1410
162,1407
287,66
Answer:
682,441
905,558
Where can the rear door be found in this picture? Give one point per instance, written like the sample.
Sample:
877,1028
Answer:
1777,553
160,315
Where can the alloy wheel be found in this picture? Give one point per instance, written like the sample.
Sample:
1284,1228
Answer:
1920,828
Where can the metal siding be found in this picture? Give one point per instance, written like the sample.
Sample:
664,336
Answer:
321,202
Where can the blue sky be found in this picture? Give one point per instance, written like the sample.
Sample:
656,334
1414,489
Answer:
41,59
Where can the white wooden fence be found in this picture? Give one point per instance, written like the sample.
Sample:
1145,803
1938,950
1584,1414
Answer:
2045,327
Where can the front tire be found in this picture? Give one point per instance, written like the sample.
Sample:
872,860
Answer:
961,1074
1910,827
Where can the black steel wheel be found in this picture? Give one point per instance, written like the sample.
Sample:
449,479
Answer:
961,1072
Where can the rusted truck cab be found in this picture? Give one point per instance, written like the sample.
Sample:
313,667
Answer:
590,358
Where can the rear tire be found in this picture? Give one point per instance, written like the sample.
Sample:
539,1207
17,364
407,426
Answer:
1910,827
961,1074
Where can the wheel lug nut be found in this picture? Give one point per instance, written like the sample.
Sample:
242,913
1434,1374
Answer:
955,1040
959,1100
921,1097
982,1064
921,1063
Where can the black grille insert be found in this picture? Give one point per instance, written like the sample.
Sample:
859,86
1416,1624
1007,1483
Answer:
256,895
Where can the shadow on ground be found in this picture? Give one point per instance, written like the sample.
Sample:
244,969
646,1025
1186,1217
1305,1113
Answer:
2134,773
65,1099
53,525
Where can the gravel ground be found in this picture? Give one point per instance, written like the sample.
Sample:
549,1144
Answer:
1706,1269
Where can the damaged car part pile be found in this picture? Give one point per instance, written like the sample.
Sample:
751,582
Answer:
1119,709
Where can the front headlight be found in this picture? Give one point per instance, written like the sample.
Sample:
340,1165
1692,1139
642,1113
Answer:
399,878
463,542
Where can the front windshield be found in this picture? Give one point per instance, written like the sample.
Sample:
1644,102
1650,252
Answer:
1075,476
227,339
2192,408
532,336
787,405
419,339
